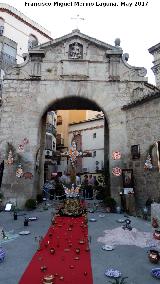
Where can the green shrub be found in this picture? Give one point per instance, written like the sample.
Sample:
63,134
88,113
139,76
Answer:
39,198
31,203
1,195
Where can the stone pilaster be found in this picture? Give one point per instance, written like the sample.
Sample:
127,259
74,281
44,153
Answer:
155,51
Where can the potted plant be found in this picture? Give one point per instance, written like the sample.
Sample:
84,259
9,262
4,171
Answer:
39,198
1,195
31,204
110,204
1,202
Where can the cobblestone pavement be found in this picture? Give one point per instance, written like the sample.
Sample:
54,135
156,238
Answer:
132,261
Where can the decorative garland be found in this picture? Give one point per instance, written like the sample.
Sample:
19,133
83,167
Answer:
12,156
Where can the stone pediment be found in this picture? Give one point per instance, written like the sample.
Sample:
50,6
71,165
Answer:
77,56
76,34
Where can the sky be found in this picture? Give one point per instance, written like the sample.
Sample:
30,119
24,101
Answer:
136,23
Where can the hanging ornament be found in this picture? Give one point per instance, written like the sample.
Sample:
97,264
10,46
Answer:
19,171
148,164
25,141
21,148
116,155
10,158
117,171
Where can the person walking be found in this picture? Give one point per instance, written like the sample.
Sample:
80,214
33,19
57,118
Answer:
78,180
85,186
90,186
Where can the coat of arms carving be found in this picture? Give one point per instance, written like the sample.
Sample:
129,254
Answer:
75,51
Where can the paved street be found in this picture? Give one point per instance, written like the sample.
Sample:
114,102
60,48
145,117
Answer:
132,261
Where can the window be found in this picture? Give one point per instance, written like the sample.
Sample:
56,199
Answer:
48,145
59,120
1,26
54,145
9,53
94,153
32,42
94,135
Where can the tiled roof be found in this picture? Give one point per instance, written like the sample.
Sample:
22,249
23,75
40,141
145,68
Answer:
146,98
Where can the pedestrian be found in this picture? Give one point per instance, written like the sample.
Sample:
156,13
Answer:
53,184
85,186
90,186
95,188
59,189
48,189
64,179
78,180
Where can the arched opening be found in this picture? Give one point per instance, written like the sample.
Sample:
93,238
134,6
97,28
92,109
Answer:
81,120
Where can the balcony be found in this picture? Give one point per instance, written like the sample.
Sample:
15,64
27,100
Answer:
59,120
1,30
51,129
6,59
59,140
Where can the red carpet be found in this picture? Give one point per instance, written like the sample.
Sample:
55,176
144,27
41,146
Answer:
69,267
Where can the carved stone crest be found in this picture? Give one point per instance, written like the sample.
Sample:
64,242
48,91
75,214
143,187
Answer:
75,51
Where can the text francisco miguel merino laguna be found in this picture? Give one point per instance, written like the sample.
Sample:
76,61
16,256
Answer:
86,4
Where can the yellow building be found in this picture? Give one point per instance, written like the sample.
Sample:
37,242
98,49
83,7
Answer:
64,118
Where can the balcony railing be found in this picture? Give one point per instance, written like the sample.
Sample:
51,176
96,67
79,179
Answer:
59,141
7,59
1,30
51,129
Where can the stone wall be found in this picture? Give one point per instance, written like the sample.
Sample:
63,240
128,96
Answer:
101,77
143,128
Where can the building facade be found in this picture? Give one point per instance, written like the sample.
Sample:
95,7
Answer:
18,28
79,72
50,165
64,118
89,135
18,34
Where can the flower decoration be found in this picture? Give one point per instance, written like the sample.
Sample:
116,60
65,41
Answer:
117,171
148,164
116,155
23,143
19,171
21,148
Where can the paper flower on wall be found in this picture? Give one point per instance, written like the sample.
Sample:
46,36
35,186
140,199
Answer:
23,143
116,155
117,171
21,148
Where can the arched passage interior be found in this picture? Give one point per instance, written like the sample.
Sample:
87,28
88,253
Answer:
74,103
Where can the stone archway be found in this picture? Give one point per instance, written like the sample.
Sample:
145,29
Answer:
73,103
48,75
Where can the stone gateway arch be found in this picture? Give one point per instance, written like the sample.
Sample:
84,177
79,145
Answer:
74,68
